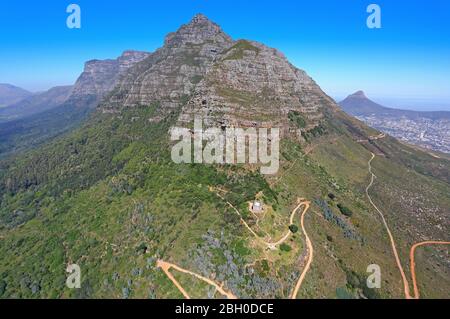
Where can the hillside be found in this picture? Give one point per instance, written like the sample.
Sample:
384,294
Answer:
108,197
10,94
36,103
42,117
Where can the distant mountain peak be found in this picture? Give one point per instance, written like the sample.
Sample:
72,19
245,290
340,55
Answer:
199,30
359,94
10,94
358,104
200,18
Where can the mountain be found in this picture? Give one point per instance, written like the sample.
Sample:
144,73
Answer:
101,76
36,103
10,94
108,197
44,116
241,80
358,104
425,129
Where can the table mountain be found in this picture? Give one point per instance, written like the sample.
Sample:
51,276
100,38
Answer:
228,82
101,76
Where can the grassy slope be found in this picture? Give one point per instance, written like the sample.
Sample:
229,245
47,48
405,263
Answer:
410,201
108,198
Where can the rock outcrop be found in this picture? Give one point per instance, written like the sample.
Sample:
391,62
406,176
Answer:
173,71
101,76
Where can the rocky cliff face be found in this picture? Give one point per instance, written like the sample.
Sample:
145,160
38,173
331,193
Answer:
174,70
101,76
253,85
227,82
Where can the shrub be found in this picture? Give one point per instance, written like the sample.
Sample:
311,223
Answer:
293,228
296,118
142,249
345,210
285,247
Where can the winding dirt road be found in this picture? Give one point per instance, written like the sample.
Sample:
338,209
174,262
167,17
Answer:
413,263
406,286
386,226
270,245
165,266
310,250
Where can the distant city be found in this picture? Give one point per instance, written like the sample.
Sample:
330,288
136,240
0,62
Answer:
430,130
425,132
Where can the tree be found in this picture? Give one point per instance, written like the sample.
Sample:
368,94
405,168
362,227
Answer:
345,210
293,228
285,247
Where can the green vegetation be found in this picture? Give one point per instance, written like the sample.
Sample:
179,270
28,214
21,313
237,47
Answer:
293,228
30,132
345,210
315,132
238,50
108,197
296,118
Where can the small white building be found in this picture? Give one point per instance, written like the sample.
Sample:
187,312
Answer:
257,206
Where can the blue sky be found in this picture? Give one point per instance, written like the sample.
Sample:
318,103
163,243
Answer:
406,62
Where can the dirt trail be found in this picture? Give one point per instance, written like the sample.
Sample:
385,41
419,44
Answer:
406,286
273,245
310,249
165,266
301,202
270,245
413,263
393,245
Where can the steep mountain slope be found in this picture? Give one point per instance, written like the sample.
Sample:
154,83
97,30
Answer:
425,129
10,94
109,198
101,76
36,103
